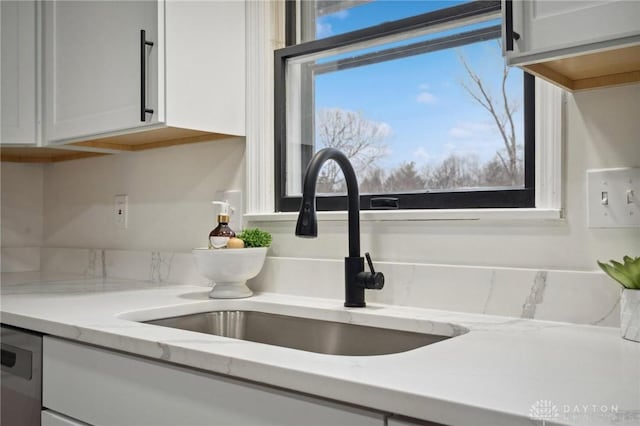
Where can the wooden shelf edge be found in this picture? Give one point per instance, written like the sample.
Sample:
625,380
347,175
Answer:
607,80
183,141
550,75
151,139
138,141
591,70
65,156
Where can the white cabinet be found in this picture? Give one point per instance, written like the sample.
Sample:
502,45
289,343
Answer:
558,28
93,64
205,65
19,27
100,75
99,386
574,40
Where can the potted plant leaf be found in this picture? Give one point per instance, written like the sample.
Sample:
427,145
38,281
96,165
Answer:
628,275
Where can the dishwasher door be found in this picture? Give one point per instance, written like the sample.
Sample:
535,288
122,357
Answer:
21,385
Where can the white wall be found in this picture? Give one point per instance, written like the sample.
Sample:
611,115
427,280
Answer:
602,131
169,191
21,218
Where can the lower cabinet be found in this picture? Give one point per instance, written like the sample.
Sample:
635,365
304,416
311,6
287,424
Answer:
83,383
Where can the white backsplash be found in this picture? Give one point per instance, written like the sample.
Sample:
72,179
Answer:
19,259
571,296
158,267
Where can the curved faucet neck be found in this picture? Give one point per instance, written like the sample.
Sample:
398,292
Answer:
309,191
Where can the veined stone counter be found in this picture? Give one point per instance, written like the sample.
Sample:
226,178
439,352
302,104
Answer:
496,371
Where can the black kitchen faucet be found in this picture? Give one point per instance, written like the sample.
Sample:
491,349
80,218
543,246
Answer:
356,280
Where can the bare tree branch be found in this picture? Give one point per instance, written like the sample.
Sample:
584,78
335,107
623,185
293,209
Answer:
361,140
503,119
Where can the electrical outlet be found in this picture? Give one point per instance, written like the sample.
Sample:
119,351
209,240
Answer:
613,198
121,207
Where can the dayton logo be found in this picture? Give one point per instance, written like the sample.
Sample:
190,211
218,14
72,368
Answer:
544,410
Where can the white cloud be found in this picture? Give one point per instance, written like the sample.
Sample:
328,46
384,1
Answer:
323,29
460,133
422,154
384,129
449,147
341,14
474,139
425,97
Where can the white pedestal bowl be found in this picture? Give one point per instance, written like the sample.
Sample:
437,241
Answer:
229,269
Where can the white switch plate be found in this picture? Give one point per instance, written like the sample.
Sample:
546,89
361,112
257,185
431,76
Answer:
613,198
234,198
120,211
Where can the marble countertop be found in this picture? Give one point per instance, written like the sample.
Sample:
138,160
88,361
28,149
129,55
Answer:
501,372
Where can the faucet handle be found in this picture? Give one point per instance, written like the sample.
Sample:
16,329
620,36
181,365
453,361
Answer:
373,280
369,262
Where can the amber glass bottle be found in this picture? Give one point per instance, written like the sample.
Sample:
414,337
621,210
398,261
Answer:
219,237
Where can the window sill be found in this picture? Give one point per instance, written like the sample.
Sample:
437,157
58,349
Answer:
422,215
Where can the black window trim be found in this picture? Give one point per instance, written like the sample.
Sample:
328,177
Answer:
456,199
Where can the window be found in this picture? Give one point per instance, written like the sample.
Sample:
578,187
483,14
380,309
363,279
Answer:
423,105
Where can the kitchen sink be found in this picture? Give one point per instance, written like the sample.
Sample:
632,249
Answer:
312,335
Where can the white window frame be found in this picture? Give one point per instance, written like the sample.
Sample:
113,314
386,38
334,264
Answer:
265,33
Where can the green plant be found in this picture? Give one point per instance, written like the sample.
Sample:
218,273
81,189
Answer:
255,237
627,274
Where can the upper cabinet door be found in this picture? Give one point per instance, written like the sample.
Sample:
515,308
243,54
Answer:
205,65
552,29
94,74
18,74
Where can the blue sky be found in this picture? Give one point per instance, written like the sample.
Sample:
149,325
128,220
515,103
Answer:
420,98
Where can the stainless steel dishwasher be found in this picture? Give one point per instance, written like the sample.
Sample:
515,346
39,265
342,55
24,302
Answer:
21,386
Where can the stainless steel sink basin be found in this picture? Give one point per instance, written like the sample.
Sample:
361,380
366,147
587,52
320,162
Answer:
325,337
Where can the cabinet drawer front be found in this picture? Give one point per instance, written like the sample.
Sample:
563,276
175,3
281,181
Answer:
102,387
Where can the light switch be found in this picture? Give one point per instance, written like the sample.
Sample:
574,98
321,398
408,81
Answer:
611,198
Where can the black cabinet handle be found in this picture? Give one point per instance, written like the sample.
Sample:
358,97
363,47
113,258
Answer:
508,22
8,358
143,75
16,361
